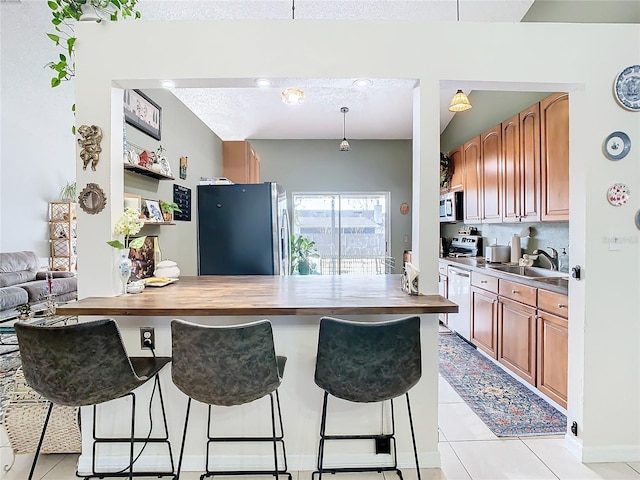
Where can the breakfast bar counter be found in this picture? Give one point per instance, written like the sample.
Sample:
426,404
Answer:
294,305
267,295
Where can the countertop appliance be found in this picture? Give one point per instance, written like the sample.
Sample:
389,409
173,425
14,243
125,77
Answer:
465,246
451,207
497,253
243,229
459,292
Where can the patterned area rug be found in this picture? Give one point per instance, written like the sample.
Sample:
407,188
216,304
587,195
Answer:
506,406
9,363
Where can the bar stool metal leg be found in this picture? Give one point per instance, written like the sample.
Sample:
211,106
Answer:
41,441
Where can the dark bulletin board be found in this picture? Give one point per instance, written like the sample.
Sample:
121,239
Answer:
182,197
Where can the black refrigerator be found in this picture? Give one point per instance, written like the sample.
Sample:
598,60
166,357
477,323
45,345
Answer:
243,229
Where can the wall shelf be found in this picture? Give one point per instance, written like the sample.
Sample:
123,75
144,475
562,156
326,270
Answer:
147,172
158,223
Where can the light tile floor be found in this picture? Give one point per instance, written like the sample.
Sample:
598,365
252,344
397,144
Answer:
469,451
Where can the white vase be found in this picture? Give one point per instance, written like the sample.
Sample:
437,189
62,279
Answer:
124,269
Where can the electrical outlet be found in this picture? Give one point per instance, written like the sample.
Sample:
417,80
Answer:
147,337
383,444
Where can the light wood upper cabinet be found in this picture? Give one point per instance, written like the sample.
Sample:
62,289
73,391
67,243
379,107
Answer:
519,170
241,163
521,166
472,179
490,157
554,152
457,179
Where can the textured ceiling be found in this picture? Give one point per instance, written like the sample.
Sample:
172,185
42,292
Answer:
242,110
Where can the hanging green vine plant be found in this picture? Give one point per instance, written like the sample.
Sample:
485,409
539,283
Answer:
65,13
446,170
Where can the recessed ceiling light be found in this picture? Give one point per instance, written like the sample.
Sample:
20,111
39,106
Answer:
168,84
362,82
263,82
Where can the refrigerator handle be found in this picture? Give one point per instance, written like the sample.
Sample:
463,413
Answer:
286,251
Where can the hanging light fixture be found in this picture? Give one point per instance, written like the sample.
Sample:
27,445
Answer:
293,96
459,102
344,145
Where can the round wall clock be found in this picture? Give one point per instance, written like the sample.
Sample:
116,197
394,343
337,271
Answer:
638,219
616,146
627,88
618,194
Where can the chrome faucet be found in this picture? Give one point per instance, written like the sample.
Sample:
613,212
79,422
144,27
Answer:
553,258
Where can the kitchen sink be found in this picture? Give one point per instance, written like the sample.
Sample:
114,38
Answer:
530,272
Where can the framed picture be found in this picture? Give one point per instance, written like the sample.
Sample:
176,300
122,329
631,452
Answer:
155,215
143,259
142,112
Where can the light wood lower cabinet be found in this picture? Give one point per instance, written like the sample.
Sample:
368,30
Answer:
517,338
484,321
553,346
523,328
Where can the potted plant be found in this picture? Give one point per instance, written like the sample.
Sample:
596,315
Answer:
68,192
25,311
302,250
168,209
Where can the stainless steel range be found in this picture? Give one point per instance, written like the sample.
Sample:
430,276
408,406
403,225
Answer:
465,246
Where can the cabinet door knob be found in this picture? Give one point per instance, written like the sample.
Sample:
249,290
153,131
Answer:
562,305
483,281
515,291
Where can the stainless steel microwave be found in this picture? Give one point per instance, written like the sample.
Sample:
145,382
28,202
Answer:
451,209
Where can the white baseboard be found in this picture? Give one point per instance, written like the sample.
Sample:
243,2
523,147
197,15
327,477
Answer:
609,454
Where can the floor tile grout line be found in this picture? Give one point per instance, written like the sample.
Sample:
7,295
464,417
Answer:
460,460
541,460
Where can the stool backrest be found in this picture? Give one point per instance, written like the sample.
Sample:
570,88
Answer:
228,365
76,365
368,362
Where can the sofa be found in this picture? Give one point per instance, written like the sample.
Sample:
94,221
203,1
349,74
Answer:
22,281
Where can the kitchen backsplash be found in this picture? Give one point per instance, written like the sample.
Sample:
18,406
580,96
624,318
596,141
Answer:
542,236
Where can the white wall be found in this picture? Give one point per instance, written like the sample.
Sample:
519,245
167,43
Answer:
37,156
503,54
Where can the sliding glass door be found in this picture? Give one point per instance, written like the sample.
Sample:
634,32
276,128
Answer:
351,230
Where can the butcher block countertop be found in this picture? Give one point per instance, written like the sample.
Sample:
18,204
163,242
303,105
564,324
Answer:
267,295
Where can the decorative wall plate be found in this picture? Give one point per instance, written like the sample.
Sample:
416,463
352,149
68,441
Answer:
627,88
618,194
616,146
638,219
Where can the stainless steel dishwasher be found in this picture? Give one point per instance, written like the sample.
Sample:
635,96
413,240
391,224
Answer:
459,287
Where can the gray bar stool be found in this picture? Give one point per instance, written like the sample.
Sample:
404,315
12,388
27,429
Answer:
227,366
87,364
364,363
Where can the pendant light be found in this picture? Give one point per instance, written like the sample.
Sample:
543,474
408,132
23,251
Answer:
459,102
344,145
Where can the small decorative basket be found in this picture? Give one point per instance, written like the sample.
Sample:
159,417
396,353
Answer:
24,417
